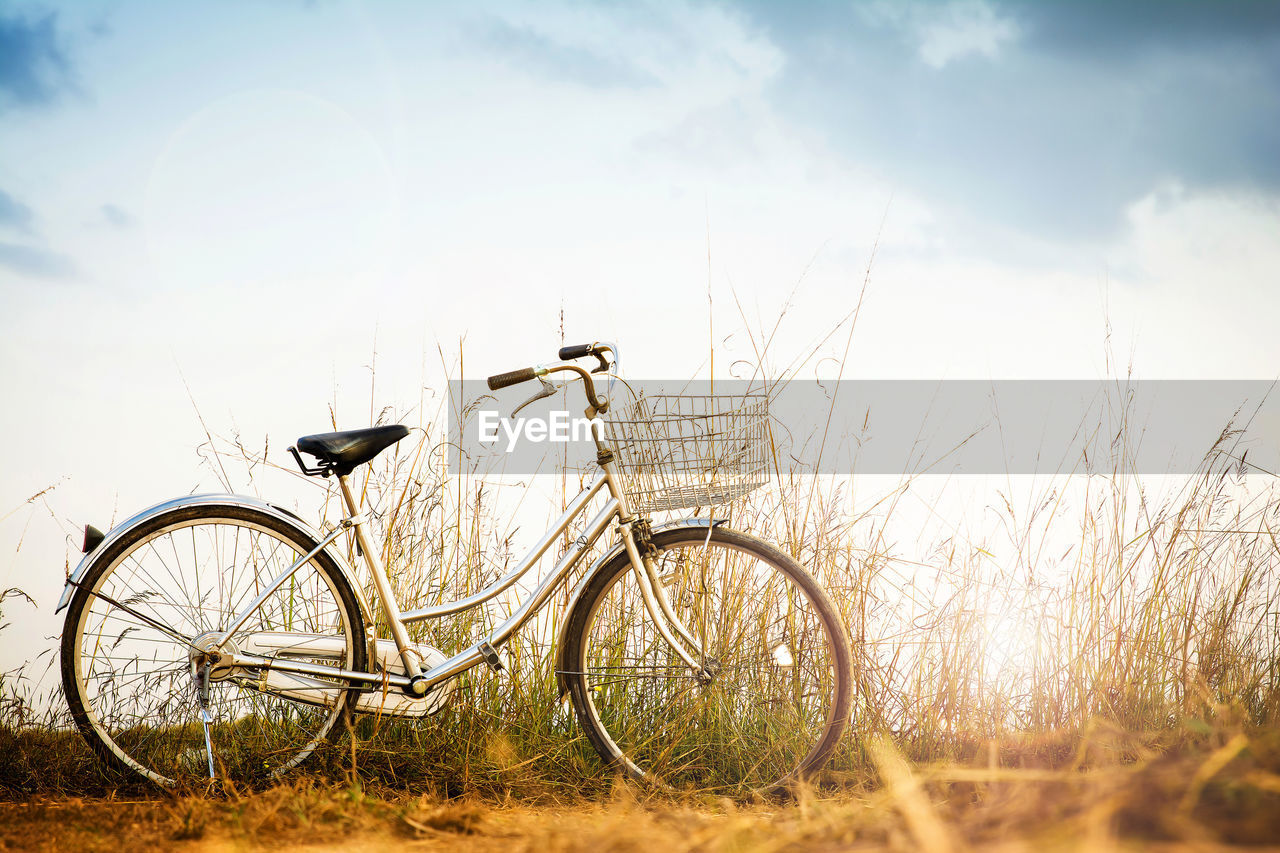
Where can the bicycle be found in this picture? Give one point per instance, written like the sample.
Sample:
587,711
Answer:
222,635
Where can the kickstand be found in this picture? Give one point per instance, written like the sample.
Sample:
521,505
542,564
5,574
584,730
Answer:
201,675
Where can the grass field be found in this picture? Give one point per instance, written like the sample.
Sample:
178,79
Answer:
1121,691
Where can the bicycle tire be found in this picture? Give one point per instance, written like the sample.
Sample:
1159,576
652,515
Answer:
781,700
130,686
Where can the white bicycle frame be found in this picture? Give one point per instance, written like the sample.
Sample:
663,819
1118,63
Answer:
418,682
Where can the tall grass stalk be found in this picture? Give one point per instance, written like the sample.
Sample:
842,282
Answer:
1158,617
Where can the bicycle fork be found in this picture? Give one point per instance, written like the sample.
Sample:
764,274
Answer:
659,608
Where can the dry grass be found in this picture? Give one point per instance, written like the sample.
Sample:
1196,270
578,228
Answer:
1195,796
1146,717
1123,689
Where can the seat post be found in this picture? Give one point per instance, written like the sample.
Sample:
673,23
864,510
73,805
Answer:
390,606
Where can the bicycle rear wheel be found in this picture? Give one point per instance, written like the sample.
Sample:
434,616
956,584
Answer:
782,694
131,686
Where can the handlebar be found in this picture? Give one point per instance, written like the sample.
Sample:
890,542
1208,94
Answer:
514,377
576,351
598,349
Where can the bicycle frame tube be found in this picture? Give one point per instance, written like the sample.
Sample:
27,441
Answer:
652,594
396,620
474,655
466,659
389,604
562,523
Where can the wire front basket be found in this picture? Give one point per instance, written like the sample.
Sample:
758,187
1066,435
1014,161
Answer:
682,451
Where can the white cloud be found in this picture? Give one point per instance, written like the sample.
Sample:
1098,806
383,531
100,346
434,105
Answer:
947,32
963,29
675,43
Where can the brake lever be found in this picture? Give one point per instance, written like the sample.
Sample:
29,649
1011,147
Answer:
548,390
604,365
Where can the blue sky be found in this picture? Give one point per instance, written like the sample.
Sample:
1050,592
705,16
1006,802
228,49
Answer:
544,148
238,202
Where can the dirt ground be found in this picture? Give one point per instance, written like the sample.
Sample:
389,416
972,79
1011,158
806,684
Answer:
309,818
1220,795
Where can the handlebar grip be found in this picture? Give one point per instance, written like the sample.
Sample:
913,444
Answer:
514,377
576,351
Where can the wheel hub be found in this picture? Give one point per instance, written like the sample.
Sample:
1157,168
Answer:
710,669
221,666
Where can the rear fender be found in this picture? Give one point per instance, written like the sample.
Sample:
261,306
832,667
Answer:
238,501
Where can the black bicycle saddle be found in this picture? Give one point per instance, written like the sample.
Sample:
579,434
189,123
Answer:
343,451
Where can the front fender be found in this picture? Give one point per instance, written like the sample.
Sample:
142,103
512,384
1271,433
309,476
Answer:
213,500
600,562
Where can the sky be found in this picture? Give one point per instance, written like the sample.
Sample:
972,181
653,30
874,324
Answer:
251,218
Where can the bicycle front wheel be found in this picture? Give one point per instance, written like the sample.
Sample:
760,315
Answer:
160,593
781,694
